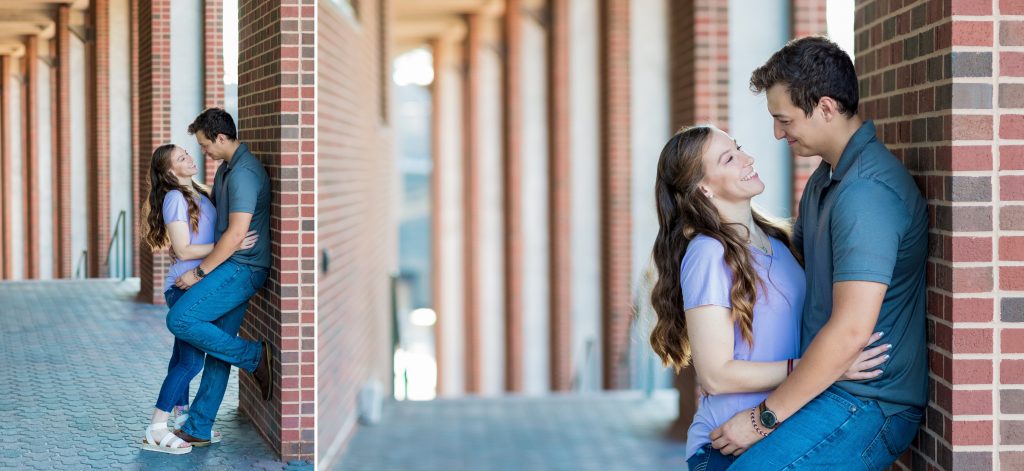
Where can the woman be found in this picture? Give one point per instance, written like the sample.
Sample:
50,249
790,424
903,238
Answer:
730,288
187,219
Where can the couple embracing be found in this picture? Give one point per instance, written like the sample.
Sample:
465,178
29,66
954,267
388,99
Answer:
220,242
808,341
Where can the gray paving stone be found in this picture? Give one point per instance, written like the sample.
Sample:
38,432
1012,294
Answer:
83,358
621,431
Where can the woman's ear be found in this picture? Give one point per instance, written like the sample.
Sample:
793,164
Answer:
706,192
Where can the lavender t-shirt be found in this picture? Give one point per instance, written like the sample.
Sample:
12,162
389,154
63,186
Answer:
706,280
176,209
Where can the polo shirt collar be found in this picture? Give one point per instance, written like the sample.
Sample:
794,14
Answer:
239,154
860,139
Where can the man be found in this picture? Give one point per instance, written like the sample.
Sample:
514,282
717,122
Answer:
863,233
210,312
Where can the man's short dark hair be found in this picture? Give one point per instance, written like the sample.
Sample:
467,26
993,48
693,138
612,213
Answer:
811,67
212,122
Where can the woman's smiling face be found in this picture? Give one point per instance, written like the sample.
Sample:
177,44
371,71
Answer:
729,173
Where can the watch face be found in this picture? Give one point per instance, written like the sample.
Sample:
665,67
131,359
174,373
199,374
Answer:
768,419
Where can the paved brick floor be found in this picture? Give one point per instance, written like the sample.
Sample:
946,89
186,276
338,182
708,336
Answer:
603,432
80,366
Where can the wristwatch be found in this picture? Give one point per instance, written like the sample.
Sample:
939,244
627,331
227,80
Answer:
767,416
199,272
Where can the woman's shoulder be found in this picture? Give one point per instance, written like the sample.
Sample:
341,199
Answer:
173,198
706,246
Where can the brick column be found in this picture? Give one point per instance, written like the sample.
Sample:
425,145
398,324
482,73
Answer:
61,170
616,302
154,111
30,162
277,119
470,201
559,202
213,66
98,112
439,50
512,175
7,205
943,83
808,19
699,63
699,69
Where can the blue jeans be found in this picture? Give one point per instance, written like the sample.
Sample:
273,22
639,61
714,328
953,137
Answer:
709,459
835,431
208,316
186,362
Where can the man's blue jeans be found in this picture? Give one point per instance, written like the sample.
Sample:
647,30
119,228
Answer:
835,431
208,316
186,362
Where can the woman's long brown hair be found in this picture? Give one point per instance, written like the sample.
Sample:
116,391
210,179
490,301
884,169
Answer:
161,182
683,213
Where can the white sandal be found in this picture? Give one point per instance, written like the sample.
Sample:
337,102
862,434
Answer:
178,420
171,443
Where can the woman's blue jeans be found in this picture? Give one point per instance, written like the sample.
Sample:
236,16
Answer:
186,362
709,459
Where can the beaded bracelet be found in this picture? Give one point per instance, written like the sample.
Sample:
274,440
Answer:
753,422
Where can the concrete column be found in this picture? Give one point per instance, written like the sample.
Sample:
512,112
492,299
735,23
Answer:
559,197
213,67
752,39
534,202
616,222
513,195
584,99
30,162
7,166
98,106
470,201
122,156
61,182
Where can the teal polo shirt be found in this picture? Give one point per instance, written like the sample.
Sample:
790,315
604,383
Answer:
867,221
242,186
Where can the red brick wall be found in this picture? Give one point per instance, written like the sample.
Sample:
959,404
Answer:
512,186
277,119
699,63
616,222
98,106
808,19
939,79
154,112
61,131
213,66
470,208
699,71
559,202
30,156
354,223
6,82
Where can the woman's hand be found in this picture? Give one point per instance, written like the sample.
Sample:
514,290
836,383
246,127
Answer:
861,369
248,242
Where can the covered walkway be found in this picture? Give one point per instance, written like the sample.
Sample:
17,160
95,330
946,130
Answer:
83,361
612,431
